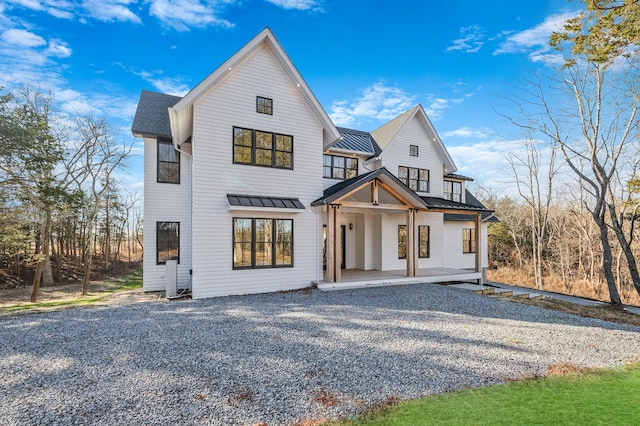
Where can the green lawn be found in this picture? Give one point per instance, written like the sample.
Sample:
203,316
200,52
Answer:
602,397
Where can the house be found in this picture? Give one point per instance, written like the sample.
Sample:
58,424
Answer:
251,187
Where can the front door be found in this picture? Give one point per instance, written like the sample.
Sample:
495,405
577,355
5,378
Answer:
343,249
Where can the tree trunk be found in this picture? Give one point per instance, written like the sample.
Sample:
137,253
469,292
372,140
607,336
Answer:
607,263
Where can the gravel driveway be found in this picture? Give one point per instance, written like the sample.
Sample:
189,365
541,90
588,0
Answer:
281,358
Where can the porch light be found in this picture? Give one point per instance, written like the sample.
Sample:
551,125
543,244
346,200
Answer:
351,227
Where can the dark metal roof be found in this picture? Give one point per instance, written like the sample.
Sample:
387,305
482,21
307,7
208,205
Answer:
152,115
456,176
487,215
339,189
356,140
262,201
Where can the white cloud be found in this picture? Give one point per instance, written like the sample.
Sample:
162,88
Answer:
182,15
111,10
168,85
23,38
313,5
62,9
377,102
466,132
535,41
470,41
437,105
58,49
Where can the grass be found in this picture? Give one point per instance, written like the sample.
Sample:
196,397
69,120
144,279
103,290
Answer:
130,282
566,396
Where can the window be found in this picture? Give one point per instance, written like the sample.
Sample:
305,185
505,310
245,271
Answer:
335,167
402,241
262,243
168,162
264,105
167,242
258,148
468,240
415,179
413,150
423,241
453,191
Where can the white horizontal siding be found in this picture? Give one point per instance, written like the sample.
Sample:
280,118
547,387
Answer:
165,202
233,103
453,245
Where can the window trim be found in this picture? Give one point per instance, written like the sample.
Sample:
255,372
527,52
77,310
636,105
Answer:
273,243
258,105
469,245
428,241
164,262
450,195
345,168
165,141
406,241
407,181
254,148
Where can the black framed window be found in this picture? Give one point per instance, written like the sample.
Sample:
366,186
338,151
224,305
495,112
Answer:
259,148
264,105
167,242
262,243
402,241
168,162
468,240
453,191
423,241
415,179
336,167
413,150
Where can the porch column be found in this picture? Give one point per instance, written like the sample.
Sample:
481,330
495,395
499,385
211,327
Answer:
478,247
416,244
410,243
333,243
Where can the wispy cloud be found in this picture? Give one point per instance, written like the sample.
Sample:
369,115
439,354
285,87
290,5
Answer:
22,38
470,41
466,132
535,41
313,5
111,10
436,106
377,102
168,85
182,15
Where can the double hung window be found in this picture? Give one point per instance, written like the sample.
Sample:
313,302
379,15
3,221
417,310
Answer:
416,179
259,148
168,162
336,167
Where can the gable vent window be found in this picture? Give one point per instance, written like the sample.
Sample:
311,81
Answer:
264,105
413,150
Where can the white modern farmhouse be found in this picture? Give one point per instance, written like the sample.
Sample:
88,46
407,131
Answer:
251,188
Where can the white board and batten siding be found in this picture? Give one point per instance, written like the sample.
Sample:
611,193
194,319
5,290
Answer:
165,202
232,102
397,154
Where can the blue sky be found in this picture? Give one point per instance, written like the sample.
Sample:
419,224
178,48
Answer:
366,61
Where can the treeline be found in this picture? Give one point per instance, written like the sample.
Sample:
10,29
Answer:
571,256
61,205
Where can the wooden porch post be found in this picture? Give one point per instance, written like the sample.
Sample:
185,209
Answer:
410,241
478,247
416,244
331,264
338,242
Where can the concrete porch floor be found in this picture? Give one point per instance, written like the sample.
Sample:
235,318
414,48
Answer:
358,278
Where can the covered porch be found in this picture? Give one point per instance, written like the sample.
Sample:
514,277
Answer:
386,225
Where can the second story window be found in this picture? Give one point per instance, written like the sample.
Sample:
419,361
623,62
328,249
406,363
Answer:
413,150
453,191
335,167
168,162
264,105
415,179
258,148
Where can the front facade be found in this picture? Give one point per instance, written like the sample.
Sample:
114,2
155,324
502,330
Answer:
252,189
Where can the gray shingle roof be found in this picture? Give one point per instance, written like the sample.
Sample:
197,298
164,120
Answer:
152,115
357,140
457,176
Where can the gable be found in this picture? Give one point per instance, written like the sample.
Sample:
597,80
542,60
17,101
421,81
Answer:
181,115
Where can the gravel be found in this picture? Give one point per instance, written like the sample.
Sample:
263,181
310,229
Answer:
282,358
